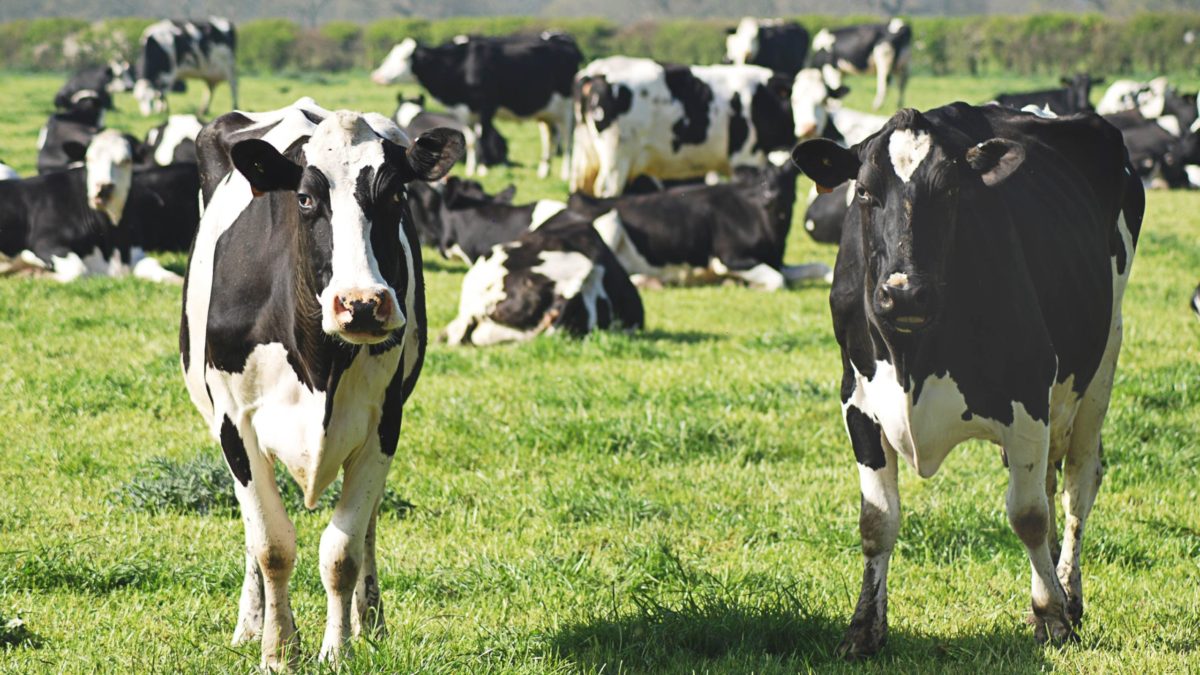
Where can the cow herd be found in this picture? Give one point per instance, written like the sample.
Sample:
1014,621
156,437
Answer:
983,256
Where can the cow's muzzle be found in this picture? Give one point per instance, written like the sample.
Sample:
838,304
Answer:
904,304
366,316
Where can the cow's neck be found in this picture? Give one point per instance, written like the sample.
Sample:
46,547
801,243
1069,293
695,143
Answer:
433,74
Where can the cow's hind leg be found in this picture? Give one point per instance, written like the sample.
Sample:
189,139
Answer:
208,97
1029,514
343,543
547,134
878,525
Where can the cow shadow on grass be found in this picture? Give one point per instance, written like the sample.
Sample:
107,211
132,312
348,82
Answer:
726,637
686,337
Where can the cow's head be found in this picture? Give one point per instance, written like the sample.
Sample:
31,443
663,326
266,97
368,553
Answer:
811,95
108,161
741,44
121,76
345,190
397,66
909,178
151,99
1079,89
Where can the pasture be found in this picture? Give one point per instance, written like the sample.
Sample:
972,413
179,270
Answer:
680,500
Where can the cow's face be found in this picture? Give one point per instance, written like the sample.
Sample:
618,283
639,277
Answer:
151,100
109,166
397,67
345,190
907,193
742,44
811,96
122,76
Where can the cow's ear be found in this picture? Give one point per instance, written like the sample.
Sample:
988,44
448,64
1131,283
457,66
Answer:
74,150
825,162
420,100
264,167
432,154
731,31
506,195
995,160
840,92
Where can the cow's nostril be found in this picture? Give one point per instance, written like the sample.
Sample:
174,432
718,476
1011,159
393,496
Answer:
106,190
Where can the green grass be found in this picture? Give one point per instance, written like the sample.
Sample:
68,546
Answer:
681,500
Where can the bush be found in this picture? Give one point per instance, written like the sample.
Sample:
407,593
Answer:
267,45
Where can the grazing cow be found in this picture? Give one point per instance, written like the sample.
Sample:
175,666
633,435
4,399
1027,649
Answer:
173,141
1072,98
779,45
414,120
733,230
817,111
172,51
480,78
637,116
882,48
467,222
302,336
557,278
977,294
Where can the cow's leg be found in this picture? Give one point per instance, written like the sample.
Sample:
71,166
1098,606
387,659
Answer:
472,140
884,57
1028,513
270,542
547,134
250,606
1052,517
367,614
343,544
233,87
566,131
208,97
901,81
878,525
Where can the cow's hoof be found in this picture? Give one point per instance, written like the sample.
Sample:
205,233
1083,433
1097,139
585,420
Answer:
860,643
1052,630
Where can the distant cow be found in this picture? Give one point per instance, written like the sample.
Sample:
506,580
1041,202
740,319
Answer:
1159,158
414,119
302,336
826,211
818,111
977,295
882,48
686,235
637,116
96,82
172,51
1072,98
559,278
779,45
517,76
173,141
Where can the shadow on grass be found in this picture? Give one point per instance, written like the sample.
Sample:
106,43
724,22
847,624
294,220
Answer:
686,337
780,635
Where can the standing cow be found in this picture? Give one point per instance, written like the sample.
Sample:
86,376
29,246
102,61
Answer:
779,45
882,48
977,294
480,78
172,51
302,336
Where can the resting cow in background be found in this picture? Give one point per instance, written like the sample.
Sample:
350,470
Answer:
306,222
826,211
1073,97
637,116
977,295
172,51
481,78
779,45
173,141
558,278
97,82
882,48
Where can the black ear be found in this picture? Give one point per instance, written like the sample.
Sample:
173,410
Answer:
506,195
730,31
74,150
995,160
432,154
420,100
265,167
841,91
826,162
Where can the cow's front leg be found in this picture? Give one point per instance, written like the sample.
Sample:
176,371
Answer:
208,97
343,542
547,134
1029,515
367,614
878,525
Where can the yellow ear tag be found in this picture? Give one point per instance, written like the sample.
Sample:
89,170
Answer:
821,189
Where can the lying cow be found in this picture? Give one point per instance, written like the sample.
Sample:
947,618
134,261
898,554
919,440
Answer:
734,230
306,222
173,141
162,212
1072,97
977,295
96,82
779,45
1159,158
481,78
558,278
826,211
637,116
883,49
172,51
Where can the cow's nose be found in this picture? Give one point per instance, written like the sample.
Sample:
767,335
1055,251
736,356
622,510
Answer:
363,311
106,190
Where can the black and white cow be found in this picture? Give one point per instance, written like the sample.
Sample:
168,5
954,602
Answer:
173,141
703,234
162,212
558,278
97,83
637,116
1072,97
779,45
882,48
414,120
977,295
1161,159
817,110
302,336
172,51
826,211
480,78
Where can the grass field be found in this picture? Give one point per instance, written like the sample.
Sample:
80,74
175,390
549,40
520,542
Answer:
681,500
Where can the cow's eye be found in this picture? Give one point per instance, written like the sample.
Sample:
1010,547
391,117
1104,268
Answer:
862,194
397,196
305,201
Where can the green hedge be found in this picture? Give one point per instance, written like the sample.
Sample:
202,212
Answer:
1044,44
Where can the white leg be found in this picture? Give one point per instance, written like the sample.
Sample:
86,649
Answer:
761,277
471,138
207,100
343,543
367,614
150,270
233,89
807,272
547,148
566,136
884,57
250,606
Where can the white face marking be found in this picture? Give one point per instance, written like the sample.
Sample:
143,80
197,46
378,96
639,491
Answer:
109,163
895,25
397,65
823,41
907,150
897,280
809,99
742,45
